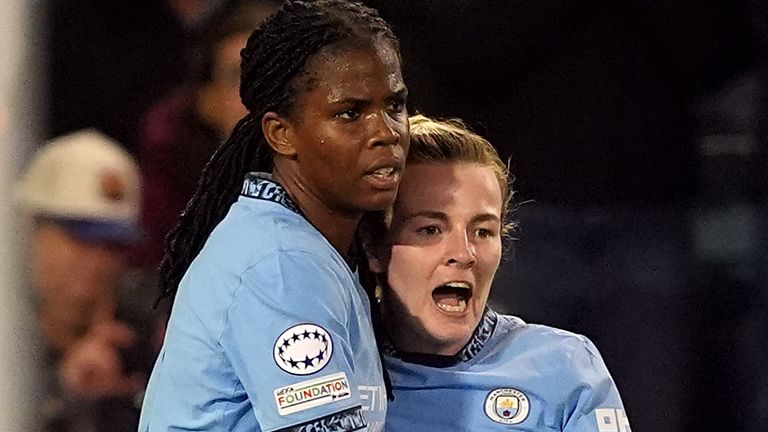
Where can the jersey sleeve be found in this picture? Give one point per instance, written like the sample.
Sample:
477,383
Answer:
595,404
287,337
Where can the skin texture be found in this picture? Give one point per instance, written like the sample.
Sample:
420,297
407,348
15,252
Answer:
350,121
93,368
77,286
76,281
219,100
446,226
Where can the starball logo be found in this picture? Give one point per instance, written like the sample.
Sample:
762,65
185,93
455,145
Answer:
303,349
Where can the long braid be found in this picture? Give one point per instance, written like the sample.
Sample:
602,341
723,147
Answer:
368,281
205,209
273,63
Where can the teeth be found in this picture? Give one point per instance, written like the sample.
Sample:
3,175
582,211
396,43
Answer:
453,308
384,171
458,285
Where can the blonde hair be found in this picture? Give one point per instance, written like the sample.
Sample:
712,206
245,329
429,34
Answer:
448,141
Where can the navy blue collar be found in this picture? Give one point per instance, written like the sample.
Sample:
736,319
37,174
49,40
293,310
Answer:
262,186
476,343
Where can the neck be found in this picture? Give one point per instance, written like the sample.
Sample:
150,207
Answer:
338,226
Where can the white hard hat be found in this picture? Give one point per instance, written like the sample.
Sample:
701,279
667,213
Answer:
87,181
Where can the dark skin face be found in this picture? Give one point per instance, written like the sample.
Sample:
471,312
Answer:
343,149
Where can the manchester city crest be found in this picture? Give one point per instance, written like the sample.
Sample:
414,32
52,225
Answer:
303,349
507,406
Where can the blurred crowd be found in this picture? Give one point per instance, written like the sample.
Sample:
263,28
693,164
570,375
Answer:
101,195
637,134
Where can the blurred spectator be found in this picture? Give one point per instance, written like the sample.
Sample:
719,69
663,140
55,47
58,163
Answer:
180,133
727,298
108,61
81,193
192,12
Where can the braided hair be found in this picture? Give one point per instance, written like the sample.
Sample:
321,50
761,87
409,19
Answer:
272,68
273,75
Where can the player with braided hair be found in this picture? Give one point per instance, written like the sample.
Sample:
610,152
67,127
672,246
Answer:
270,328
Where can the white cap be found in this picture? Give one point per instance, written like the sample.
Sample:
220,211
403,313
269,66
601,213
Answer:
88,179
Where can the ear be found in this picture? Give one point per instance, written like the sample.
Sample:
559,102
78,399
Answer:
277,133
375,261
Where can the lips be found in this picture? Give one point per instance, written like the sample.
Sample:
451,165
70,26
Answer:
453,297
385,173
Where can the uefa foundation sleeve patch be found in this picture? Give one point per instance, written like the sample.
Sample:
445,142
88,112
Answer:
303,349
313,393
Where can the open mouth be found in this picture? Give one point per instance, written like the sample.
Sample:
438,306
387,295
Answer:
452,297
382,173
384,177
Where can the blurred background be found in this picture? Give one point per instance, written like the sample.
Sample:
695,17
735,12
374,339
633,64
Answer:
637,132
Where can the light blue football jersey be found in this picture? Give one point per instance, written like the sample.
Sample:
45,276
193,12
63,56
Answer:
512,376
270,331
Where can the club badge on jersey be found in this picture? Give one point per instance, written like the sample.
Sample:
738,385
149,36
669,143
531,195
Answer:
507,406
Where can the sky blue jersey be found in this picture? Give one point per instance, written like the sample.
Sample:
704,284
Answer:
511,376
270,331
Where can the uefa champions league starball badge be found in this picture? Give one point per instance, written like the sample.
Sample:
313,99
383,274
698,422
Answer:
303,349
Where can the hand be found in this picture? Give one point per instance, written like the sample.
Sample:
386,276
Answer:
92,368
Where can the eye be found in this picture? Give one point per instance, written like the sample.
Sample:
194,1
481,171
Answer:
485,233
429,230
350,114
397,106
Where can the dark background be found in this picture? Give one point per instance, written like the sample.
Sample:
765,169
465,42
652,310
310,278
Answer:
637,134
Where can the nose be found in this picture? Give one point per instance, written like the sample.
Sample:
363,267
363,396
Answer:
384,130
460,251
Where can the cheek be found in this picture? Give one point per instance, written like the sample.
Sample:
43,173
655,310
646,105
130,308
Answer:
324,152
407,272
403,129
340,152
232,103
487,267
54,266
109,263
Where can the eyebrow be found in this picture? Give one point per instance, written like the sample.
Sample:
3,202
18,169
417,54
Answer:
486,217
402,93
430,214
427,214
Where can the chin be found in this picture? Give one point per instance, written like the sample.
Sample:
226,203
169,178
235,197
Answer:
380,200
448,341
449,346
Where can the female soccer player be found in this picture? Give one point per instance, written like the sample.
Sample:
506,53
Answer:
270,329
455,364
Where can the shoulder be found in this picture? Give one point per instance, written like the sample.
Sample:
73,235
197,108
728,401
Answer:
254,229
563,351
268,254
522,331
276,244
